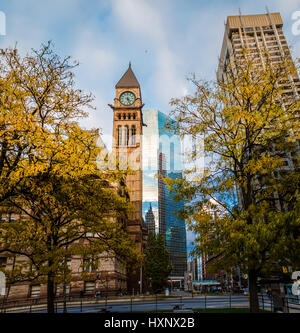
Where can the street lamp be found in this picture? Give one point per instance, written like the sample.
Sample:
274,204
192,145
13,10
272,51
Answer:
98,276
141,279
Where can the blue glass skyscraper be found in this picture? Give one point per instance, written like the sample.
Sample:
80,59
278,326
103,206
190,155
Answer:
162,155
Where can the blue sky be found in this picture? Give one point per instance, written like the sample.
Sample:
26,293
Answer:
165,40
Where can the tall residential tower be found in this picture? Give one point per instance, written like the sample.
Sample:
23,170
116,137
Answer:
258,33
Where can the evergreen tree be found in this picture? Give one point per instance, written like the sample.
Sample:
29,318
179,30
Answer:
157,265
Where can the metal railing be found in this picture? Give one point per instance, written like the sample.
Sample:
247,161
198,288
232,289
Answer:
277,303
152,303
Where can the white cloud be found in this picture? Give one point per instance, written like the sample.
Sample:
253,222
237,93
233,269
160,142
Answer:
146,22
286,6
94,54
98,62
140,17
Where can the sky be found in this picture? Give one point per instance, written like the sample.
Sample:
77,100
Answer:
165,41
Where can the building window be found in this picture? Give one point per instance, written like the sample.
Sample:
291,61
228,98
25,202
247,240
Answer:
90,264
60,289
126,135
119,116
35,291
89,287
11,218
133,135
124,116
69,264
3,262
119,135
129,116
134,116
87,265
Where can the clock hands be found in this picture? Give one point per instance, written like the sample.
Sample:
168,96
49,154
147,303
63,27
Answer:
127,98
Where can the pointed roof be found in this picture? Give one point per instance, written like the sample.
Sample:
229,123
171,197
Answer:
128,80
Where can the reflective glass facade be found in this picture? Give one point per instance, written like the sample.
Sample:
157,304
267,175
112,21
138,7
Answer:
162,155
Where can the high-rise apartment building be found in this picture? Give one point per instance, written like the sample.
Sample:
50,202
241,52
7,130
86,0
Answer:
256,32
162,156
259,33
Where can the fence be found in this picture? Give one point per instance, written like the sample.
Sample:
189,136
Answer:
277,303
154,303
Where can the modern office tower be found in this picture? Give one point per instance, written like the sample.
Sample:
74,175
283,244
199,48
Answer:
194,267
162,195
162,156
150,220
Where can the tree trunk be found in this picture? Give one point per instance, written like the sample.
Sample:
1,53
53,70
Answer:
254,305
50,293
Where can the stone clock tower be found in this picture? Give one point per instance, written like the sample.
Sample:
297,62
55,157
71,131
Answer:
127,145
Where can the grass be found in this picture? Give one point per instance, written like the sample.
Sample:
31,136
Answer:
225,310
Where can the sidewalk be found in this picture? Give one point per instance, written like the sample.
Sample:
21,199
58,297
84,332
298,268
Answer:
180,293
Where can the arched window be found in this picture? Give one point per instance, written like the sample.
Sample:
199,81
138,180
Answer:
133,135
119,135
124,116
119,116
133,116
126,135
129,116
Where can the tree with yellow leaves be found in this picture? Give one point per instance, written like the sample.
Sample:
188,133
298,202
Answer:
39,109
250,128
48,173
60,217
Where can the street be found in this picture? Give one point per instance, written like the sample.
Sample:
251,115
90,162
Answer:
126,305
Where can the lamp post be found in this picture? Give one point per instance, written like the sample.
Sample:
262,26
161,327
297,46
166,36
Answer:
141,280
65,297
65,284
150,285
98,276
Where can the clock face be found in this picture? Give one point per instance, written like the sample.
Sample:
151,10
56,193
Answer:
127,98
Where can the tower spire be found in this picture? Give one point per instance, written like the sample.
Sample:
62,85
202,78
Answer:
128,80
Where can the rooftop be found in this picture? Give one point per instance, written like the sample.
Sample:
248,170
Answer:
128,80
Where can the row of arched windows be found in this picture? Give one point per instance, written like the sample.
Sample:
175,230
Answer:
126,135
129,116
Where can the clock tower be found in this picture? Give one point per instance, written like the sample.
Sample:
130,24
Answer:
127,146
